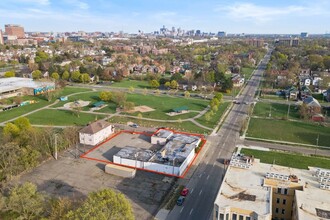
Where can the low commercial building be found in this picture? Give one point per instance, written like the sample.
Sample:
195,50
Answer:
253,190
173,158
95,132
16,86
161,137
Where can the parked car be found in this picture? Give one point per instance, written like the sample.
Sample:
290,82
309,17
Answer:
180,200
134,125
236,102
184,192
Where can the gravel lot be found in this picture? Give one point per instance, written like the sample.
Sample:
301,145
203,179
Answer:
73,177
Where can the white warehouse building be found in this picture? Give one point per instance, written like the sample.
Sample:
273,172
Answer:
172,159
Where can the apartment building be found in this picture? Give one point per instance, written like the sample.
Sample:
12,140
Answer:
252,190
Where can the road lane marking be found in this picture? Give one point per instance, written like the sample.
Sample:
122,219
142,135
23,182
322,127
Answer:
181,209
213,163
200,192
191,211
208,176
192,191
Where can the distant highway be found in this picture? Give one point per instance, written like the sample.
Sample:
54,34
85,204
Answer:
207,178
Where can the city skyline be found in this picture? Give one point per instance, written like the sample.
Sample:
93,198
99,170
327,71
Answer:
257,17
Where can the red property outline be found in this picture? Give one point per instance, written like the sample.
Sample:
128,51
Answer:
147,134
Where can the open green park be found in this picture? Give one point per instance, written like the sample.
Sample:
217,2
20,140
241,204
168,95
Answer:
40,103
288,159
53,113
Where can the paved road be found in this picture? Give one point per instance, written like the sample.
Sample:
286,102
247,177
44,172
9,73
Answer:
206,179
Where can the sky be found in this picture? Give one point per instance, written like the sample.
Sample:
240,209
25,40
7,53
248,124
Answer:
241,16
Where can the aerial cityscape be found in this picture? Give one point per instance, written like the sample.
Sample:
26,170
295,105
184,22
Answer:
167,110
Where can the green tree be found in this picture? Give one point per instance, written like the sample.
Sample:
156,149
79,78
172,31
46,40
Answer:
9,74
11,130
219,96
75,76
105,96
41,56
186,94
103,205
9,160
59,208
55,75
131,89
208,116
154,83
214,102
22,123
119,98
167,84
84,78
65,75
174,84
36,74
129,106
25,201
326,62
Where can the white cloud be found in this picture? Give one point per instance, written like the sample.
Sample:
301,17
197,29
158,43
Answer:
78,4
41,2
257,13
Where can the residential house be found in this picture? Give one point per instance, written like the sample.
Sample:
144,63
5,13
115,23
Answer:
313,105
305,81
326,95
238,80
95,132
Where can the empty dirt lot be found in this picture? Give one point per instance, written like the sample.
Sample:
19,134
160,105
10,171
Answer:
72,177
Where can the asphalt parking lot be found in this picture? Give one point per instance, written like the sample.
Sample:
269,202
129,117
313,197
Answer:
75,178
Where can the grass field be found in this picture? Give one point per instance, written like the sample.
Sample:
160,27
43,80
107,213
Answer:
16,112
280,111
287,159
164,104
247,72
183,126
291,131
134,83
61,118
90,96
215,118
41,102
70,90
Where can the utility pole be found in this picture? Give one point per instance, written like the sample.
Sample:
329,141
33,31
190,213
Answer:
55,154
317,143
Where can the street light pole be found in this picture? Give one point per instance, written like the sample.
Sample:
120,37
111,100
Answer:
288,111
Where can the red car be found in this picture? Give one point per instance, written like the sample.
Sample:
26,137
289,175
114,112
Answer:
184,192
